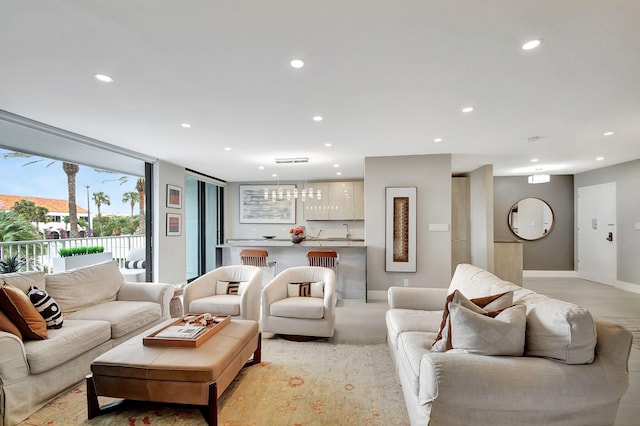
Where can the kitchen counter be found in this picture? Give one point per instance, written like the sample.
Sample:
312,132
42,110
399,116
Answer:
352,269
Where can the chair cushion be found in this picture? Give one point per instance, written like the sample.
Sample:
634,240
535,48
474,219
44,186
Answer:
66,343
298,307
124,316
220,304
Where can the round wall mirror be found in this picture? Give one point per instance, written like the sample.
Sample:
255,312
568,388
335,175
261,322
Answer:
531,219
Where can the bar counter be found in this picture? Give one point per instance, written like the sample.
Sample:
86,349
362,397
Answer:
352,269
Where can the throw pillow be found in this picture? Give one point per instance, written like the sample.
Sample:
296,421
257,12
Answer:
135,264
47,306
480,305
19,309
8,326
483,334
230,287
306,289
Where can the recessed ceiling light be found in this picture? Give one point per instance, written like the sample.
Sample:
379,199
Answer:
534,160
186,125
317,118
274,175
467,109
599,158
532,44
297,63
607,133
103,78
328,145
339,173
336,165
226,148
437,140
261,167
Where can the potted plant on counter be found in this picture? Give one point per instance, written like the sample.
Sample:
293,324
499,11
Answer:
297,234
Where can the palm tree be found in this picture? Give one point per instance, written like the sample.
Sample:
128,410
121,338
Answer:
14,227
100,198
140,188
72,170
132,198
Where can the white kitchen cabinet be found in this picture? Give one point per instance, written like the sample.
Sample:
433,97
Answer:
339,201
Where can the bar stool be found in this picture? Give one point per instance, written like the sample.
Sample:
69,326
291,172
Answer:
257,257
326,259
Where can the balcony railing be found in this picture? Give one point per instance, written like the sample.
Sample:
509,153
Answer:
39,254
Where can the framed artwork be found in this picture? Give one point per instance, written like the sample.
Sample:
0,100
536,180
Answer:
174,196
267,204
174,225
400,231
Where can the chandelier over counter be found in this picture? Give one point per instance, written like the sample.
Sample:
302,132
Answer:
280,193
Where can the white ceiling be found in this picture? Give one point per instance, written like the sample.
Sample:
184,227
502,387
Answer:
387,76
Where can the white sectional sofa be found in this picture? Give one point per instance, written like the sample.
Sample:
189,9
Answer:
100,310
573,369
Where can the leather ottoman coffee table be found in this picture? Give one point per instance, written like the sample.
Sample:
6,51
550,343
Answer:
192,376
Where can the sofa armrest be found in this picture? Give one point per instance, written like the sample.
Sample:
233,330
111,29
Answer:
503,382
426,299
13,358
148,292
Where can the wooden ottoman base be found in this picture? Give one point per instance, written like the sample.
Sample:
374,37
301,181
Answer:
174,375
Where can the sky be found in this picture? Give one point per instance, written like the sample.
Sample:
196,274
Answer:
40,180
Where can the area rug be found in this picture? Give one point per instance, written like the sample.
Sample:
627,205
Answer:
631,324
297,383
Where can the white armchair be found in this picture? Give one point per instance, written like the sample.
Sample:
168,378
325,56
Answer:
286,312
228,290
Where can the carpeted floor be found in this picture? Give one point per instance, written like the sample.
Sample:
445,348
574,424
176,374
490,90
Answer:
298,383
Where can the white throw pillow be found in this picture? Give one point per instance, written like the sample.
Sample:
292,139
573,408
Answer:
306,289
480,334
480,305
230,287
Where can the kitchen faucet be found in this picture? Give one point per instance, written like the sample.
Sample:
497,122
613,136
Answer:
348,234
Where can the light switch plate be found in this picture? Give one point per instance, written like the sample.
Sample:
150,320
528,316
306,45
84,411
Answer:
438,227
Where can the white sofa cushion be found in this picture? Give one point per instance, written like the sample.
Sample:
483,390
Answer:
412,345
66,343
123,316
24,280
480,334
83,287
400,320
298,307
555,329
219,304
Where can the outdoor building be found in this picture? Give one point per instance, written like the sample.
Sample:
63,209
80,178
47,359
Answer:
55,227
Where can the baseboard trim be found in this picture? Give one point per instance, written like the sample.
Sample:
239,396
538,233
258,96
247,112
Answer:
622,285
546,274
377,295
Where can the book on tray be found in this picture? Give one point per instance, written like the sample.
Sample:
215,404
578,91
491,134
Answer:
181,332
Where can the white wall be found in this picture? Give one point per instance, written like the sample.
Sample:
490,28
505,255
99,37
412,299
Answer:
481,215
431,175
169,263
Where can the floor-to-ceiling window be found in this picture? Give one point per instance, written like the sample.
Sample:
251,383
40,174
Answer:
203,196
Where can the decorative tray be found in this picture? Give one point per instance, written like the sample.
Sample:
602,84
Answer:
216,324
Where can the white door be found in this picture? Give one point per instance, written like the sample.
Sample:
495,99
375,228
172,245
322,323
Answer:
597,238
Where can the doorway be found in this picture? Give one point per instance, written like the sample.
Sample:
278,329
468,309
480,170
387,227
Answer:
597,239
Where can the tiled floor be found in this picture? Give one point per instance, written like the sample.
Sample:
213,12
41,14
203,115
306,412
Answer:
363,323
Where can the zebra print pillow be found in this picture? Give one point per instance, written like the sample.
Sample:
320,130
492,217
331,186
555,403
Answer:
47,306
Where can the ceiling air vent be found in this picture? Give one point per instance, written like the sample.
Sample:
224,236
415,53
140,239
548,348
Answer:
534,138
